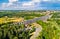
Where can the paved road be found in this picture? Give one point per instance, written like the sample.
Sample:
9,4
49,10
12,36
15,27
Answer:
43,18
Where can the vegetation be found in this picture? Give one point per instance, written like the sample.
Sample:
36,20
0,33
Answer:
50,28
14,32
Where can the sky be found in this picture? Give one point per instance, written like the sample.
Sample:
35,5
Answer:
29,4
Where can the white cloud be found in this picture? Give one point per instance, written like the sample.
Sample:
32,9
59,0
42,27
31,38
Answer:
4,5
24,5
9,4
36,0
28,4
10,1
31,3
50,0
46,0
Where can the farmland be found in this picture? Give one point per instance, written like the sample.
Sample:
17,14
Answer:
48,29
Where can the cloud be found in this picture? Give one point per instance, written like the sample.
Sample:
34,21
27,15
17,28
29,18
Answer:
10,1
4,5
28,4
32,3
7,5
36,0
16,4
50,0
46,0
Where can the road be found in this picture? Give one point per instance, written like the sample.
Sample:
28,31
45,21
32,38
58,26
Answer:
39,28
37,31
43,18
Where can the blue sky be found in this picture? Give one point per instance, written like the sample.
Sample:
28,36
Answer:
29,4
